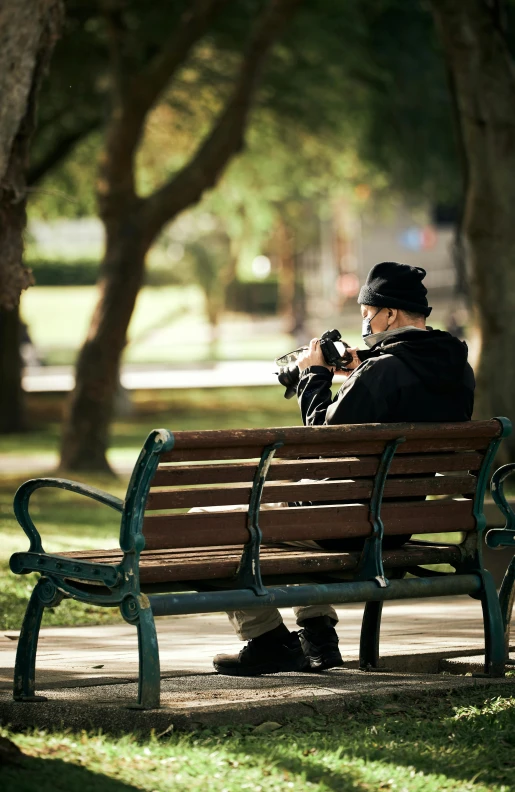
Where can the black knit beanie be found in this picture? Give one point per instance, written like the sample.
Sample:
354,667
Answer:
392,285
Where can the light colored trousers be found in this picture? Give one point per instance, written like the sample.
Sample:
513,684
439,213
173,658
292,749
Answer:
254,622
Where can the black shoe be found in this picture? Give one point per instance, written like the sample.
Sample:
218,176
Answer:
275,651
319,642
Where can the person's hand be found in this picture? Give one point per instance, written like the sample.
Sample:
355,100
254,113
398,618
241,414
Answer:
312,356
353,364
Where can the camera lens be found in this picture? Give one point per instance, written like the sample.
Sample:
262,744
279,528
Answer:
289,379
291,357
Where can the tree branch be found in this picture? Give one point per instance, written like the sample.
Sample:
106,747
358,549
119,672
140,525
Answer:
156,76
60,151
135,96
112,11
227,135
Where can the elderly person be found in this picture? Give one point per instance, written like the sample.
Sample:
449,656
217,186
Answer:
414,373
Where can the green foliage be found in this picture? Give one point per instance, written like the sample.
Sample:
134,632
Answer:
353,94
401,99
52,272
253,298
361,78
68,188
284,173
64,273
454,743
210,258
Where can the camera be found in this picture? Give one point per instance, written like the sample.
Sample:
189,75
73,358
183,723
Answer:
334,350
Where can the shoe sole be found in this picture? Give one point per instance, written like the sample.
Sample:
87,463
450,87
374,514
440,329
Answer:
324,662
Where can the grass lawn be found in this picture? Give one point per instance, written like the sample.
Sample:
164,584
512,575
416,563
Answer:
164,318
212,408
49,309
459,742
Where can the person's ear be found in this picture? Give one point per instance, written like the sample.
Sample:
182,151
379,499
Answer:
392,316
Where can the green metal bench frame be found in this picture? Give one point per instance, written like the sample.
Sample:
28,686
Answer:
369,585
504,537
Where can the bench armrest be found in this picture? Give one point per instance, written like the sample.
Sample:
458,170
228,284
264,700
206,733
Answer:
22,498
499,537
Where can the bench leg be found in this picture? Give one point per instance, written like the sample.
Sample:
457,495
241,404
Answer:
370,632
494,628
44,594
136,610
507,598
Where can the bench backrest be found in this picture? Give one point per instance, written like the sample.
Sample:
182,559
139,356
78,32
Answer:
340,465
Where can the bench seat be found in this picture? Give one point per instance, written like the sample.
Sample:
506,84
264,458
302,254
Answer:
219,563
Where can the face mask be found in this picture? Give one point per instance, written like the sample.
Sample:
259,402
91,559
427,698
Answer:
366,330
376,338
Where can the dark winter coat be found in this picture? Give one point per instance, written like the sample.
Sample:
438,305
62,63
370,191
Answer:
414,375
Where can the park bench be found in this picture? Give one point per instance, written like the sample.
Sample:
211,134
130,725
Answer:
504,537
175,561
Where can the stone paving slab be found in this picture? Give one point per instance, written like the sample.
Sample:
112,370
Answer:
415,635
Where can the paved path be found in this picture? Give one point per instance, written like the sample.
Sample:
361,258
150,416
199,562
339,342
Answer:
88,673
223,374
421,631
210,700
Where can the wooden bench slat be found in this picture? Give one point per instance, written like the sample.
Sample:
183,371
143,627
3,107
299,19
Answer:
318,491
343,447
218,563
313,435
300,523
284,470
306,563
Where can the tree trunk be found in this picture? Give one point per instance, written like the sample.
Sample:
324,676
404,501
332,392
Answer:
483,73
28,34
86,435
12,403
132,223
493,288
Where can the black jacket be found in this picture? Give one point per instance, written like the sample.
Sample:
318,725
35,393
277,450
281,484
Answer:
414,375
